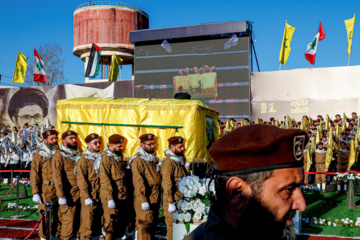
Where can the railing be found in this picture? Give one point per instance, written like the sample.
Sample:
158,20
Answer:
115,3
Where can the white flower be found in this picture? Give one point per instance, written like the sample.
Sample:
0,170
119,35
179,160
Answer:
198,215
187,217
180,217
334,224
329,223
205,218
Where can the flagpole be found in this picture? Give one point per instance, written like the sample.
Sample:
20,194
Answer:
121,71
348,61
57,81
280,67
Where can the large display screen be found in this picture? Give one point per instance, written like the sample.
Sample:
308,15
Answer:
214,69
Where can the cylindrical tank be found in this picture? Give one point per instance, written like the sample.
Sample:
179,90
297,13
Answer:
108,26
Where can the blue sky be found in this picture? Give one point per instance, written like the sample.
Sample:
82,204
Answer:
28,24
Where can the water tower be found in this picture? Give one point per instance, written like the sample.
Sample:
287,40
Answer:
107,24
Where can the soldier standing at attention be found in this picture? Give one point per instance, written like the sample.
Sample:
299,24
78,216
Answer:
146,180
172,168
42,183
64,171
89,185
113,188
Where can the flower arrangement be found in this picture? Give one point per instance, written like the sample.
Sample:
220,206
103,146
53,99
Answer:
348,175
345,222
198,196
12,206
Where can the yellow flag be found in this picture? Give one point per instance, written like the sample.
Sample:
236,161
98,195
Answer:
349,24
306,123
310,121
277,123
352,153
302,125
285,45
242,122
20,68
343,128
329,154
227,126
337,131
116,61
288,121
313,145
327,121
309,159
331,140
318,135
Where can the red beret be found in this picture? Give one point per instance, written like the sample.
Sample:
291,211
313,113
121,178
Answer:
176,140
116,138
68,133
257,148
147,137
48,133
91,137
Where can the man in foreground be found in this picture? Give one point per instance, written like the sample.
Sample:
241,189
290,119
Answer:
258,179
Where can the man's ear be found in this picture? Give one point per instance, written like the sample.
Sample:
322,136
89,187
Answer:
238,193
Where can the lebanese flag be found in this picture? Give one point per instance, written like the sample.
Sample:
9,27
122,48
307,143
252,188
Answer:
39,71
93,66
310,53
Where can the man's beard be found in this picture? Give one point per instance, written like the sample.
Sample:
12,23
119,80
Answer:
73,147
119,153
150,151
272,228
178,153
53,146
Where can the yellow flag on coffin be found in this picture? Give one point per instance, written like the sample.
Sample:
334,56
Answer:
352,157
327,121
20,68
349,24
227,126
313,145
285,45
309,159
116,61
329,154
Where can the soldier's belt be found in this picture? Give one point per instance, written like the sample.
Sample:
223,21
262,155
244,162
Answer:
320,163
47,182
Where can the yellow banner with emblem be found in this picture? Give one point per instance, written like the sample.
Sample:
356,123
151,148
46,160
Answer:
20,68
285,45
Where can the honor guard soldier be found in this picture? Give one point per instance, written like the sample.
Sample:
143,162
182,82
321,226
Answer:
42,183
64,171
146,180
320,159
172,168
113,188
258,178
89,184
343,155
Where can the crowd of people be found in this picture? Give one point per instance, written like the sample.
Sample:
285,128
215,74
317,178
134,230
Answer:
96,193
17,147
333,145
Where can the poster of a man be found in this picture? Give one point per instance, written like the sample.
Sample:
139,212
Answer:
28,105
